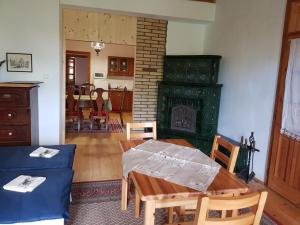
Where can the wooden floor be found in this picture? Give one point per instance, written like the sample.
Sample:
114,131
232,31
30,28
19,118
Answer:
98,157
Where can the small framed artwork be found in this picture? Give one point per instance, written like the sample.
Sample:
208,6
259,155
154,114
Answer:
19,62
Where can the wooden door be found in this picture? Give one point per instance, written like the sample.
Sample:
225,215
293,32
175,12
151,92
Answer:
71,66
284,160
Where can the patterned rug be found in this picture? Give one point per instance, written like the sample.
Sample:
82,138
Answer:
114,126
98,203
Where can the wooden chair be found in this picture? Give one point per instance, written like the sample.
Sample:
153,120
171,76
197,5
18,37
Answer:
255,202
233,150
228,161
122,98
138,130
73,111
98,112
87,88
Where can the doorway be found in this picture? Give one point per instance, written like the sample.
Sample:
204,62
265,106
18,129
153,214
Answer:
78,67
284,166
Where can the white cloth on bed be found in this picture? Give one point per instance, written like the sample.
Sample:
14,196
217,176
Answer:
44,152
24,183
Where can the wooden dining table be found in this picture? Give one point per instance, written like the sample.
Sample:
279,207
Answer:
85,100
85,97
159,193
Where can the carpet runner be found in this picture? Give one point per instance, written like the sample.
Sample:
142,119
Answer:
98,203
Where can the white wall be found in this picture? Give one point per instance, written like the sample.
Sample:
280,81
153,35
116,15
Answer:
248,35
99,64
32,26
185,38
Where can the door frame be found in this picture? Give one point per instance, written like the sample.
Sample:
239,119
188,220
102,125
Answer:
81,54
284,57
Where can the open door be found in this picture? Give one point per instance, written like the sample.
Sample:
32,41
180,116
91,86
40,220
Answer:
77,67
284,160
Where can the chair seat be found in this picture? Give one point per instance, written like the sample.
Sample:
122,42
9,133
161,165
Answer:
98,113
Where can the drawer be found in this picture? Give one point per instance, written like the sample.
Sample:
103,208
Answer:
10,97
14,116
15,134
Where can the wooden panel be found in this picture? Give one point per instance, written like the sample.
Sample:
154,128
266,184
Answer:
117,29
294,23
283,172
80,25
92,26
294,179
281,157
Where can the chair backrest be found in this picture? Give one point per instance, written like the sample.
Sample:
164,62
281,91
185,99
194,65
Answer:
140,130
252,204
231,148
87,88
99,99
72,104
120,100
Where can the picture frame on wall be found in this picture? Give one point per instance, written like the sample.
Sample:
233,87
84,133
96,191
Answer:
19,62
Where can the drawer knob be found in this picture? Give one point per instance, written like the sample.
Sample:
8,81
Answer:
10,133
9,114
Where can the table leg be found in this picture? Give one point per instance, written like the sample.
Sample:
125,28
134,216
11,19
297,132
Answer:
137,204
170,214
235,212
181,213
149,212
124,196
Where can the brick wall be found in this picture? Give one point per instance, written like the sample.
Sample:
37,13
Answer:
150,52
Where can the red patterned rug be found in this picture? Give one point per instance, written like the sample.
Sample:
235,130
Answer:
114,126
98,191
98,203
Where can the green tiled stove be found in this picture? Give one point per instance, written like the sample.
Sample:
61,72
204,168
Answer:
189,99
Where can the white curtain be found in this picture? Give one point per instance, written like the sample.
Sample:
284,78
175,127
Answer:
291,103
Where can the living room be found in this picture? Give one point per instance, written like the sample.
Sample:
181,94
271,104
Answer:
248,36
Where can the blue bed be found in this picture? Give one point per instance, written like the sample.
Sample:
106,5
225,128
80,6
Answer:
48,201
17,158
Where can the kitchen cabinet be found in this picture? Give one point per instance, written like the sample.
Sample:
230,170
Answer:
120,66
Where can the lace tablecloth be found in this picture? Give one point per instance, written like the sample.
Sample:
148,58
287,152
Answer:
175,163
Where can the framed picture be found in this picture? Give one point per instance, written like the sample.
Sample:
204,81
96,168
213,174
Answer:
19,62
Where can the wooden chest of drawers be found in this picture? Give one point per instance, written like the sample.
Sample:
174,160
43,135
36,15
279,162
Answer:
18,114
